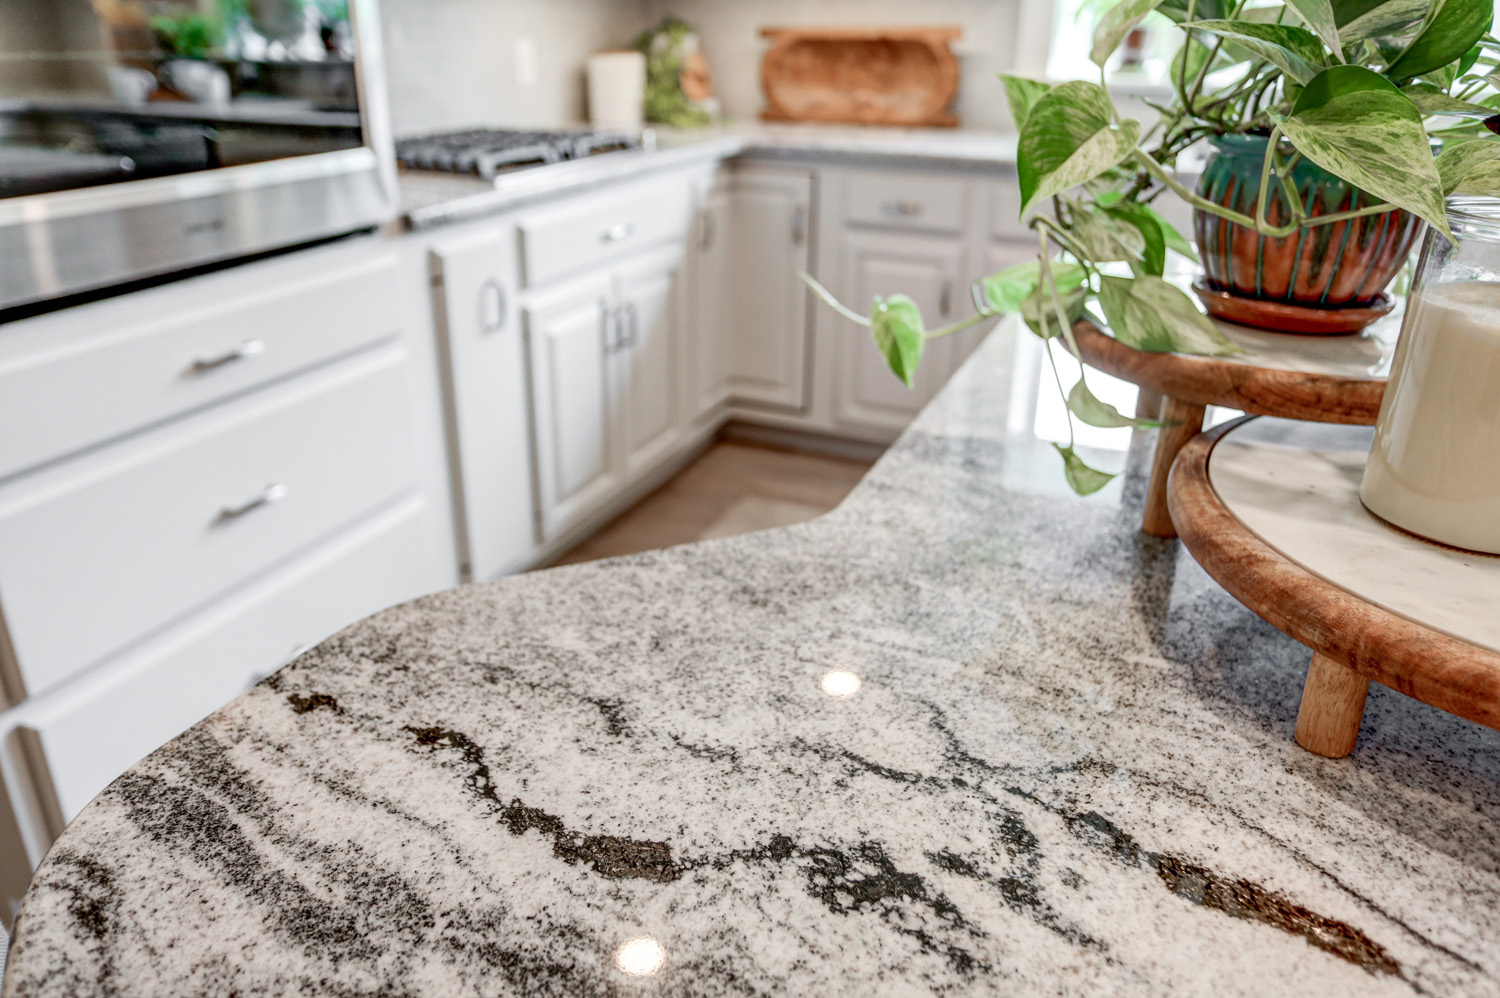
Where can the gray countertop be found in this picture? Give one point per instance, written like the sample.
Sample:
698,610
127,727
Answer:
429,199
967,734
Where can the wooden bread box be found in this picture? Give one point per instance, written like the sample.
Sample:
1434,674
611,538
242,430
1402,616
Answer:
864,76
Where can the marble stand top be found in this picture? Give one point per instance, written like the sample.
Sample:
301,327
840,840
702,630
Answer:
1296,486
967,734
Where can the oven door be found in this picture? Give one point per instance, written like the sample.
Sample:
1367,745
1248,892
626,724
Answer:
138,138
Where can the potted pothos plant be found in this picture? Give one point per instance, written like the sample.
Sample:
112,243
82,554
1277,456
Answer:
1339,107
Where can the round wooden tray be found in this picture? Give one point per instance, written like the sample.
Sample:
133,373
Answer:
1321,378
1271,510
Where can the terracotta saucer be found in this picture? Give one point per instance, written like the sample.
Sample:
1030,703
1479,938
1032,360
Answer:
1281,317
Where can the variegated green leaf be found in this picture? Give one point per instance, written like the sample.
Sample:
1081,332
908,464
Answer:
1116,23
896,323
1318,15
1095,412
1070,137
1022,94
1083,479
1451,28
1471,168
1354,123
1297,52
1430,104
1147,313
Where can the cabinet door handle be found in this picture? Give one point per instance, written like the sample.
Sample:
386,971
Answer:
617,232
611,321
710,231
945,299
275,492
491,306
246,350
903,207
799,225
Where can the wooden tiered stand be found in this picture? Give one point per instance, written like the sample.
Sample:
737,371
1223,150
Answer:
1319,378
1274,516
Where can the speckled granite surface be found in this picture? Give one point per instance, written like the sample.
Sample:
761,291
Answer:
965,735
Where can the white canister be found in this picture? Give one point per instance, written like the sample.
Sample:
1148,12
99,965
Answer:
1434,469
617,90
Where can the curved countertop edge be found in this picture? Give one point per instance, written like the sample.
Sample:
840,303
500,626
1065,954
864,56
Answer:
431,199
1065,762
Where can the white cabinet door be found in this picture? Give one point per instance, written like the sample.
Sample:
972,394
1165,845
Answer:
646,352
929,270
570,335
479,330
707,333
766,301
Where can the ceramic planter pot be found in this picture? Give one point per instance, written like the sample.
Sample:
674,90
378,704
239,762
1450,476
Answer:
1345,264
1434,469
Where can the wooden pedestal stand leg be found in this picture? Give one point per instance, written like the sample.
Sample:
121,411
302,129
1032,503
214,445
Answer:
1184,422
1148,404
1333,703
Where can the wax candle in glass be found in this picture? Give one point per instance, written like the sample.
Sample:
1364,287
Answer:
1434,469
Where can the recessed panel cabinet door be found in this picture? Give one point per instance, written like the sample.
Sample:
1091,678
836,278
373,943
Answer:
882,263
708,337
766,301
480,330
646,359
571,333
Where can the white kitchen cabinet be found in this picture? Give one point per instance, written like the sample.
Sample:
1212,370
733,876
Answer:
572,335
763,301
931,271
479,329
89,733
648,315
197,481
706,336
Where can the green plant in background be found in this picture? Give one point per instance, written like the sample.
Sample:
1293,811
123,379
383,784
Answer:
666,47
1357,87
191,35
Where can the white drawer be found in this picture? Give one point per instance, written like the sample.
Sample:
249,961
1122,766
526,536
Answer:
591,230
92,732
88,374
912,201
100,552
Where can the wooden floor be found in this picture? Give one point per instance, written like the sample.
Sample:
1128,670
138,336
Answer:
733,488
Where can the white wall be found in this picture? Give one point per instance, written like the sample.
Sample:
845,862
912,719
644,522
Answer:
731,39
452,63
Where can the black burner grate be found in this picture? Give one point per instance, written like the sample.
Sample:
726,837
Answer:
488,151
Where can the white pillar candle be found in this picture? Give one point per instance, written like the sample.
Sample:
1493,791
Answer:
617,90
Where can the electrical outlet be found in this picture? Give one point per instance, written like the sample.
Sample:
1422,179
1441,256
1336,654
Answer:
527,72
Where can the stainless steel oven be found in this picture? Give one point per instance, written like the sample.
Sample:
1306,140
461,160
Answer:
139,138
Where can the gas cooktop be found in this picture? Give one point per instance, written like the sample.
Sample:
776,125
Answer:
488,151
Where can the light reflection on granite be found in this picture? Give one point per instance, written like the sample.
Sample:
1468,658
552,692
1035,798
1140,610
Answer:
1067,767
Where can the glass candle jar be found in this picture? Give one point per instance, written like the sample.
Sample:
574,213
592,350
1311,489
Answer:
1434,469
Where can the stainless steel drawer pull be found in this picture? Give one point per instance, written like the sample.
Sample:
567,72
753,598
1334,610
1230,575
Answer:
615,233
275,492
246,350
903,207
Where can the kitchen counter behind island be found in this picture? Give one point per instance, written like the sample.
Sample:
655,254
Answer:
967,734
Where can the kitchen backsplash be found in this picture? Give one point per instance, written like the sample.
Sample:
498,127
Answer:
455,62
731,39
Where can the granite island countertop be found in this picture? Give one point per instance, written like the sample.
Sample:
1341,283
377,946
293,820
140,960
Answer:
429,199
967,734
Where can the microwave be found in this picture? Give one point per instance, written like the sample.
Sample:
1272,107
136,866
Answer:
140,139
